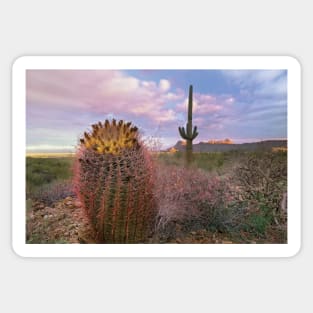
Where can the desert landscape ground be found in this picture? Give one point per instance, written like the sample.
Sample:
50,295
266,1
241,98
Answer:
236,196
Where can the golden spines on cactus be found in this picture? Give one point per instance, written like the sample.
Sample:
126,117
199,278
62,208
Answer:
110,137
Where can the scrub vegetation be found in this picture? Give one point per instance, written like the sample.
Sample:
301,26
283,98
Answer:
222,197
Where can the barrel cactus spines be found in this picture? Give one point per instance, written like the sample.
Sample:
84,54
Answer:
114,178
189,134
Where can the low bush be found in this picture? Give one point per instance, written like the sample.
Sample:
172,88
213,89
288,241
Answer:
53,192
42,171
262,183
191,199
206,161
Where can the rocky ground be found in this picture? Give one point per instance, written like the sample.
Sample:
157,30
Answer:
65,222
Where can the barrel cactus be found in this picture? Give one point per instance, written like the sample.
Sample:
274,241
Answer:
114,178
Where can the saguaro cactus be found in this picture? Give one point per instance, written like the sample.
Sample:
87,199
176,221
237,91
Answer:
114,177
189,134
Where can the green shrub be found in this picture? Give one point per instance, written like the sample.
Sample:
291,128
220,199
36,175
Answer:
258,224
206,161
45,171
262,180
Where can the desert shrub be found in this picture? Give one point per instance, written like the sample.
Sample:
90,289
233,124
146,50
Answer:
258,223
42,171
53,192
261,179
176,158
205,161
209,161
191,199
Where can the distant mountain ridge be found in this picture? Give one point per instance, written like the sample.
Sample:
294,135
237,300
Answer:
221,147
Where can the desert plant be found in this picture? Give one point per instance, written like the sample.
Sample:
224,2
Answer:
262,182
43,173
53,192
113,177
189,134
191,199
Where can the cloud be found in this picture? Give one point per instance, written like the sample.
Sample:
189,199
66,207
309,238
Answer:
265,83
276,88
252,77
261,101
206,103
212,113
101,92
61,104
164,84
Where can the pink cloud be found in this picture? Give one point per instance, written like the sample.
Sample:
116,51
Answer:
215,126
101,92
204,104
164,84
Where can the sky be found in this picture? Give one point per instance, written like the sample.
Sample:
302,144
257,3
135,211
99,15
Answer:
242,105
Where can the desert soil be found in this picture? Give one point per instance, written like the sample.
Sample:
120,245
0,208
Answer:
65,222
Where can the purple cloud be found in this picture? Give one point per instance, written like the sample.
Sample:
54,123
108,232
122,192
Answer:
61,104
102,92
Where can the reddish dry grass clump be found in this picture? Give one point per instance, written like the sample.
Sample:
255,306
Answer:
190,198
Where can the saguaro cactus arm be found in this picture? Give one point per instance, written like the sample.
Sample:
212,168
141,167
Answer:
185,135
182,132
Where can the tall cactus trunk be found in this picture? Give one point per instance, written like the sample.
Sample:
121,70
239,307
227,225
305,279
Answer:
189,134
189,158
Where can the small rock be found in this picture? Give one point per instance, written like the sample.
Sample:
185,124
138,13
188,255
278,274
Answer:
226,242
45,217
193,233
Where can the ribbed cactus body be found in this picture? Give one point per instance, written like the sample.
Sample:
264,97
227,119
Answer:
114,181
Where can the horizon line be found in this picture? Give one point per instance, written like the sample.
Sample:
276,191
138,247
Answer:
71,149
